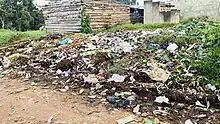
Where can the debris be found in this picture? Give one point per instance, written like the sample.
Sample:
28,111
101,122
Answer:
2,76
136,70
144,114
92,96
117,78
211,87
144,61
188,122
172,47
199,104
126,47
126,120
162,99
81,91
19,90
136,109
180,105
156,121
111,99
50,120
199,116
93,52
90,79
66,88
160,112
146,121
93,112
156,73
6,62
18,59
65,41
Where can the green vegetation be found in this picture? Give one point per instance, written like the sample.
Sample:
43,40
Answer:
127,27
21,15
205,58
86,25
8,36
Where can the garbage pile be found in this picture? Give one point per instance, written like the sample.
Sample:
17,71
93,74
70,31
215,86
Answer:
122,70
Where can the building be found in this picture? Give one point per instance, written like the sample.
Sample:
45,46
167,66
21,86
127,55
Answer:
196,8
158,11
65,16
137,14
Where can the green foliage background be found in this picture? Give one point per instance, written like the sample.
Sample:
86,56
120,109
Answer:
21,15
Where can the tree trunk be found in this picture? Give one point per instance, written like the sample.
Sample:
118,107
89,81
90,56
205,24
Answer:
3,23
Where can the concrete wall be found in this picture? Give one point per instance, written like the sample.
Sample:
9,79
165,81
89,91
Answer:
195,8
152,13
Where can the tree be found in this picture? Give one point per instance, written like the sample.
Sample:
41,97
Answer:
38,18
24,20
22,15
10,8
2,14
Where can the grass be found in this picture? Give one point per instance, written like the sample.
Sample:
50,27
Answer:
8,36
127,27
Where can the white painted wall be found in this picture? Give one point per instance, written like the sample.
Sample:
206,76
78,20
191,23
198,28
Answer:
141,2
195,8
40,2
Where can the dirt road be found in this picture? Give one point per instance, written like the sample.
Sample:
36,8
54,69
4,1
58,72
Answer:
21,103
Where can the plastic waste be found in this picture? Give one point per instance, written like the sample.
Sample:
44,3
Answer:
117,78
6,62
126,120
146,121
136,109
164,45
156,73
90,79
162,99
172,47
188,121
92,52
90,46
65,41
126,47
145,61
111,99
211,87
92,96
2,76
199,116
155,121
66,88
199,104
116,42
150,46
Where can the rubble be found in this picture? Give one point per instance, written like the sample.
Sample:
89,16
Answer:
128,69
162,99
126,120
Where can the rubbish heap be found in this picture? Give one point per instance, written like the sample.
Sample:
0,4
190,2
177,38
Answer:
127,69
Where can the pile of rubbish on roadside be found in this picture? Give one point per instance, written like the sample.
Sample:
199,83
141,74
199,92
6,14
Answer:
141,71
